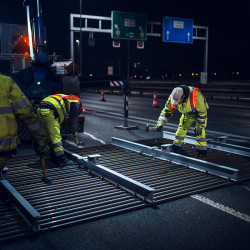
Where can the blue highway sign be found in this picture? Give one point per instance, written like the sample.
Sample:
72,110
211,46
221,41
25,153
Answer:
177,30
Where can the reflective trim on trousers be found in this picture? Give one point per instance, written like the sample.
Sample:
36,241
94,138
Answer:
201,139
201,117
9,141
178,144
24,102
59,153
35,126
59,144
201,122
6,110
201,147
181,138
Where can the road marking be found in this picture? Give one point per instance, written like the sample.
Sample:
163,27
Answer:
221,207
247,188
74,144
101,141
169,125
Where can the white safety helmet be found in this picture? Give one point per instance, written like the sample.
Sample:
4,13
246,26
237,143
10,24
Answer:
176,95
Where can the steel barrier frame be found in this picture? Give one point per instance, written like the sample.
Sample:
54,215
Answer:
136,188
204,166
221,145
23,207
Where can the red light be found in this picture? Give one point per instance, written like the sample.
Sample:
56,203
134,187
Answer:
140,44
116,43
83,109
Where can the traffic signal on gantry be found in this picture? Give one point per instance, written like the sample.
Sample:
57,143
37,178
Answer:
140,44
116,43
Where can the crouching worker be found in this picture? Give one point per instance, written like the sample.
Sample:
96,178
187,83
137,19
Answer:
14,104
191,103
52,112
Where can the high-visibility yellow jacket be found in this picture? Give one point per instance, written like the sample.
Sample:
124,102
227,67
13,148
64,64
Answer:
64,106
193,104
14,104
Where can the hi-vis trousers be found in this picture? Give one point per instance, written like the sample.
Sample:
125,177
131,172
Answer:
51,128
185,123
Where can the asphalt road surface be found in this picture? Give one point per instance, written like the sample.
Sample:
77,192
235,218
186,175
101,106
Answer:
218,219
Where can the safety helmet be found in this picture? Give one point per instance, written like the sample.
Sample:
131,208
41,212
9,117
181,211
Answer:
176,95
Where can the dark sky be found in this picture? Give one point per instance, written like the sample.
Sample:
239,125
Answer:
228,22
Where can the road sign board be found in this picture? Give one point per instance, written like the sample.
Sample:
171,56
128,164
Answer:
177,30
129,26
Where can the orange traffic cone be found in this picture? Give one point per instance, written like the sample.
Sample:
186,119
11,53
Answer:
155,101
102,97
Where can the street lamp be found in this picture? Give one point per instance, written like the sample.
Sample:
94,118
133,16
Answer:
78,49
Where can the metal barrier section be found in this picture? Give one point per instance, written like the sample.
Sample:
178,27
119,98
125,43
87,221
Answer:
29,214
234,149
136,188
215,169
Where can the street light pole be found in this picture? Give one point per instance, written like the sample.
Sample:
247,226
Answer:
80,64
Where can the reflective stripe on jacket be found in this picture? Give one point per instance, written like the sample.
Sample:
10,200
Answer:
13,103
60,103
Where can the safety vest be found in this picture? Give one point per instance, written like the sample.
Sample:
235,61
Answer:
190,105
13,103
60,103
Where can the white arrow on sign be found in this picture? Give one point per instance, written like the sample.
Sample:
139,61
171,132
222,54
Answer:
168,34
188,34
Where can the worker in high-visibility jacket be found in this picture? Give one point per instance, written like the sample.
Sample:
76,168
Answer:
52,112
191,103
14,106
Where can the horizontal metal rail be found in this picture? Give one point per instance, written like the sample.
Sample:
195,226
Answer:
29,214
136,188
234,149
215,169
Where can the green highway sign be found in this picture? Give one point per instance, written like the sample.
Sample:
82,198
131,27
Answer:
129,26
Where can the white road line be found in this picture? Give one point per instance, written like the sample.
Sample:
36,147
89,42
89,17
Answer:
74,144
221,207
101,141
247,188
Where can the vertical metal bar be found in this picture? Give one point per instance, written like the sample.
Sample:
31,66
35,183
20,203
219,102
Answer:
80,66
71,37
206,52
127,60
30,33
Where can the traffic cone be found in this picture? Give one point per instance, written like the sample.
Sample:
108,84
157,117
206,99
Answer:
155,101
102,97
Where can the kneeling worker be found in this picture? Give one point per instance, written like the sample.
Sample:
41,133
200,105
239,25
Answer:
191,103
52,112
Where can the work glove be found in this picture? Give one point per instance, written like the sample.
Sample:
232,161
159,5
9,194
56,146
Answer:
160,124
75,134
198,131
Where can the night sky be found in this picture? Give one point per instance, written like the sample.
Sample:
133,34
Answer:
228,23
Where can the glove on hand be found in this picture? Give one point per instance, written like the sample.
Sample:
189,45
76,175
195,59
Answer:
75,134
160,124
198,131
159,128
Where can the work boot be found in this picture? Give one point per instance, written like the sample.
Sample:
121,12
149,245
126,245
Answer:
53,158
62,161
177,150
202,154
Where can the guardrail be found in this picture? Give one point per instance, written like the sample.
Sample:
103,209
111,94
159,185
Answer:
231,92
